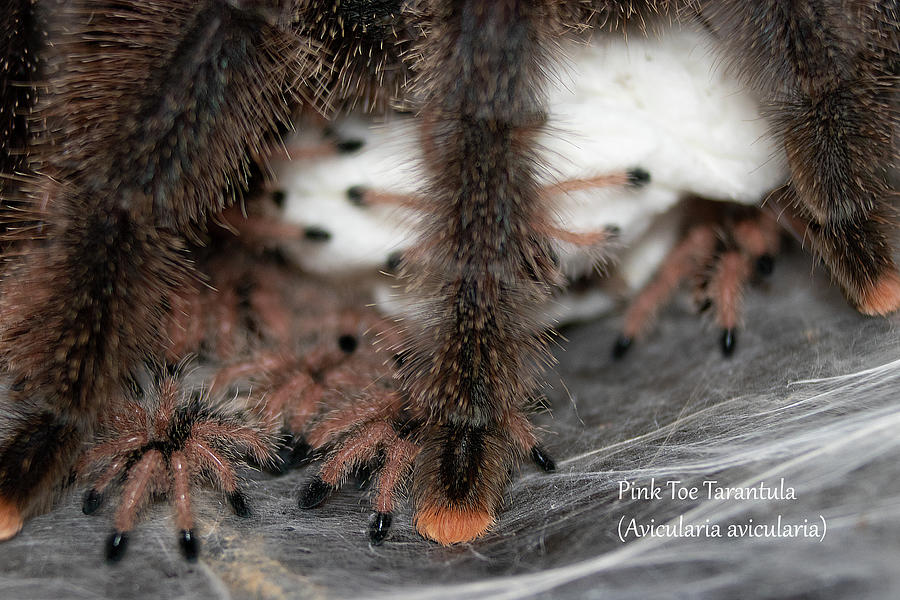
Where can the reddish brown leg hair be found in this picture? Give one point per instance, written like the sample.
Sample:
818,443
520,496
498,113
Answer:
364,196
697,246
723,245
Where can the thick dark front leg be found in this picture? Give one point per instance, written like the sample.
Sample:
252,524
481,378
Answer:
829,68
141,139
482,266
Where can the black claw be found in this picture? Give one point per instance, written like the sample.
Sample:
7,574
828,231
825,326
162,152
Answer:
765,264
116,546
356,195
278,197
92,501
379,527
638,177
348,146
729,339
316,493
542,459
612,230
238,501
348,343
316,234
189,545
394,260
703,284
621,347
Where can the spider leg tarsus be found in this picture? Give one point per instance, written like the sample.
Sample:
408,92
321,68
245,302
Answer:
238,502
349,146
279,197
620,348
11,520
638,177
394,260
190,546
379,527
357,195
729,341
116,546
314,233
92,501
542,459
316,493
883,297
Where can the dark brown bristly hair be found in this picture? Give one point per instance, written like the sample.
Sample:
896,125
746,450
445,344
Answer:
154,108
367,41
829,70
480,266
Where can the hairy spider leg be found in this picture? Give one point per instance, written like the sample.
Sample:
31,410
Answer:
830,74
143,145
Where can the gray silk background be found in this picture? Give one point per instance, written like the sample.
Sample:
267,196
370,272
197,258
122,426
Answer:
812,396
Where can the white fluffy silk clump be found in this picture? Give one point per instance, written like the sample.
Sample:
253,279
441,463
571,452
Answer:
663,105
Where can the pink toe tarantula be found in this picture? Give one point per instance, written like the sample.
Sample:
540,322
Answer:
127,127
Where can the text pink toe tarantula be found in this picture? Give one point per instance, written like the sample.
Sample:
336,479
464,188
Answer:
129,125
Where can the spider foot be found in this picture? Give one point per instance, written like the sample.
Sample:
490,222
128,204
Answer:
164,445
379,433
336,360
364,434
724,247
464,470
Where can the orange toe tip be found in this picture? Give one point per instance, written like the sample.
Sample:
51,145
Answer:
10,520
451,525
883,297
